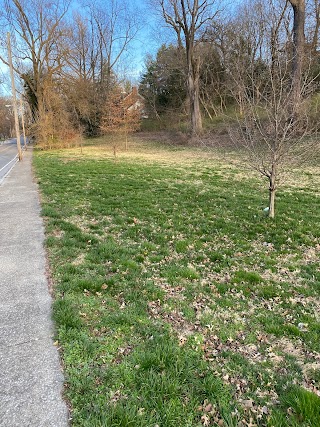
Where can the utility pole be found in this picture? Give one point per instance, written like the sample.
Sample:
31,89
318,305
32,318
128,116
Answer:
14,98
22,120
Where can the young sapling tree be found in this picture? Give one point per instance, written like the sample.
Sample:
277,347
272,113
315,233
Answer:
120,116
276,126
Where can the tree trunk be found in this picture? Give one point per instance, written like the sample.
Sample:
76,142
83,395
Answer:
194,96
126,141
272,191
272,196
316,28
298,48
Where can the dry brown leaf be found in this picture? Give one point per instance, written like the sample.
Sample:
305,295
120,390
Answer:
205,420
208,408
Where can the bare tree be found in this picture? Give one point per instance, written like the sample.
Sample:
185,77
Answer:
241,42
121,116
273,139
189,20
312,25
117,26
81,76
37,31
97,42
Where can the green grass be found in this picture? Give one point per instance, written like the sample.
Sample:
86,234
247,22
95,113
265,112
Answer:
177,303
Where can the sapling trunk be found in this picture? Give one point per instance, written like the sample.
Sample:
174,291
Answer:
272,197
272,191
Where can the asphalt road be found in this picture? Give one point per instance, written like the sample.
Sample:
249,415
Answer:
8,156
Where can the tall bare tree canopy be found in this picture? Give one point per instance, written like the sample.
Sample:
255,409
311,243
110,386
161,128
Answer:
98,37
189,20
66,61
38,35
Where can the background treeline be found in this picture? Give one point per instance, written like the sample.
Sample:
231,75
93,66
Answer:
236,54
66,60
214,61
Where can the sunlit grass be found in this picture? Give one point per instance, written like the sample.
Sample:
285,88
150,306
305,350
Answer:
177,302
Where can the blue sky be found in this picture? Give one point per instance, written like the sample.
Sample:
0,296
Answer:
147,41
150,37
152,34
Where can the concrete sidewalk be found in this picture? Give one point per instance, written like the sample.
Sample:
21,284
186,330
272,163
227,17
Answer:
30,374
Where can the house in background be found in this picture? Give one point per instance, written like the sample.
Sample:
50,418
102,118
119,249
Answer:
136,102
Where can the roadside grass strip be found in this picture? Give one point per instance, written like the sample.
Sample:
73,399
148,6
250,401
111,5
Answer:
177,302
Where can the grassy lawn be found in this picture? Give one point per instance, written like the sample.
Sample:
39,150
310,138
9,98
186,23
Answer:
177,303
